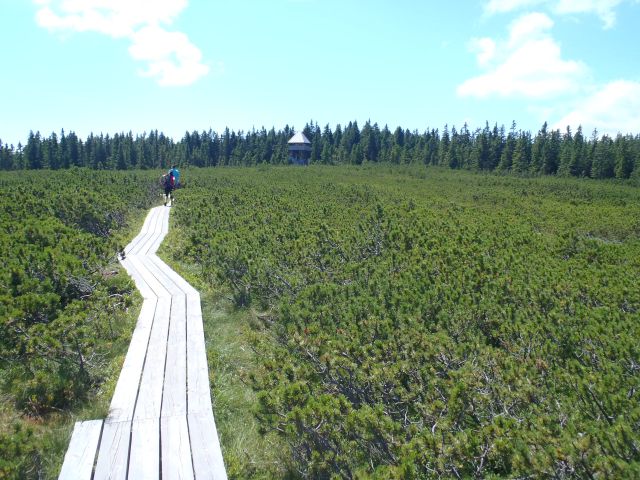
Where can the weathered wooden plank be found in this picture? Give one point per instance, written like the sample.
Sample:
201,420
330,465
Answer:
205,448
81,454
193,304
150,235
141,285
199,395
145,233
161,232
124,397
175,278
149,403
174,399
141,235
145,449
175,448
143,246
162,275
164,379
150,279
113,454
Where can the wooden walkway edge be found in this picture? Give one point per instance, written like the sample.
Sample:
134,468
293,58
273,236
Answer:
160,422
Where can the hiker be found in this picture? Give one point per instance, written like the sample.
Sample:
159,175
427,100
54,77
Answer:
176,175
168,182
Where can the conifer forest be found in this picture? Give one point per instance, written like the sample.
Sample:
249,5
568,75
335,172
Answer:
567,153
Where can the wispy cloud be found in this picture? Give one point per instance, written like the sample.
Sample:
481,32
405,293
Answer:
503,6
611,109
528,64
170,57
604,9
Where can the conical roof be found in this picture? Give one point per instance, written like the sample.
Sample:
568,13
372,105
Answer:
299,138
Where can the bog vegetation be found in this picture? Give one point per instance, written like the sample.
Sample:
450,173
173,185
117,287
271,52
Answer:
413,323
405,322
63,304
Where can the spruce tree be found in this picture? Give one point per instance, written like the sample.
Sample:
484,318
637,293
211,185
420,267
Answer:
566,154
506,158
551,153
444,146
452,158
522,153
578,165
603,160
33,151
538,150
623,157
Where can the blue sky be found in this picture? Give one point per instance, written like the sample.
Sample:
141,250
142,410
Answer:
107,66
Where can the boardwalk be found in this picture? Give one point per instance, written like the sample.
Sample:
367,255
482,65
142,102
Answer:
160,423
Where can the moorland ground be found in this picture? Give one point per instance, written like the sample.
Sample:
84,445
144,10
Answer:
361,321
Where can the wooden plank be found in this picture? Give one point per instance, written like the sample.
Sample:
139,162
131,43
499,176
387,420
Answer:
81,454
161,423
199,395
143,246
145,233
152,243
174,399
150,279
175,278
124,397
149,402
113,454
205,448
144,458
175,448
138,279
159,232
150,234
162,275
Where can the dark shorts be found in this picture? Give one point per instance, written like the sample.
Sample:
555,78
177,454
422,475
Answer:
168,189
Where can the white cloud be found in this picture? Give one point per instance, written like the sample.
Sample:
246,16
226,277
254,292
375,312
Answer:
504,6
534,26
612,109
170,56
485,49
528,64
604,9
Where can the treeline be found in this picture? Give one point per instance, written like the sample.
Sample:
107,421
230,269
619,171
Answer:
548,152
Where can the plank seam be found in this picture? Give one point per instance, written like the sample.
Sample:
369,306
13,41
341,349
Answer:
144,233
167,293
135,403
186,376
159,268
164,374
159,234
167,290
95,457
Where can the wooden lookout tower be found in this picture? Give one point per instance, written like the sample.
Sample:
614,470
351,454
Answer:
299,149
